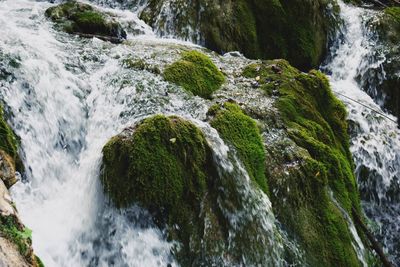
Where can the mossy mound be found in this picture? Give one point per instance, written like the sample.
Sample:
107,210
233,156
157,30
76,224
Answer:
241,131
296,30
315,121
196,73
164,164
75,17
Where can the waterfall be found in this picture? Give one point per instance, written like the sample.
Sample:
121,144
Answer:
68,97
375,138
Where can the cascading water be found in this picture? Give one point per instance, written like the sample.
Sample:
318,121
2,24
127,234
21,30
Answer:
375,138
68,96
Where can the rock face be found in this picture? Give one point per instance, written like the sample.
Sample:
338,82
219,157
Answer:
311,162
296,150
166,165
7,169
382,81
296,30
15,238
83,19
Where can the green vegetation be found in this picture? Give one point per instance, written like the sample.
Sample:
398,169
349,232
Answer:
394,12
316,121
17,234
9,142
75,17
296,30
39,262
196,73
242,132
164,166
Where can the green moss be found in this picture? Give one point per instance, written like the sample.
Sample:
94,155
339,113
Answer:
316,121
196,73
296,30
8,141
39,262
394,12
18,235
163,164
75,17
242,132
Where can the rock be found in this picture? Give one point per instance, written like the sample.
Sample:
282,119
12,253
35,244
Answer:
15,238
6,207
196,73
7,169
179,184
85,20
241,131
294,144
296,30
309,158
9,255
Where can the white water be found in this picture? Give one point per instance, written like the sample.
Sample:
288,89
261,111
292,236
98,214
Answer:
375,140
68,97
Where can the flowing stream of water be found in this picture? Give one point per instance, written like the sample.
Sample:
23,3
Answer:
375,139
69,95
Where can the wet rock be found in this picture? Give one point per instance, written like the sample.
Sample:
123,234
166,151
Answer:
7,170
296,30
165,165
85,20
15,238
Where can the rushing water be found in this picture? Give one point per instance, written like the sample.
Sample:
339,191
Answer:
67,97
375,138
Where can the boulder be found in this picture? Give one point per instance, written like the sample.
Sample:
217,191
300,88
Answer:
7,169
87,21
296,30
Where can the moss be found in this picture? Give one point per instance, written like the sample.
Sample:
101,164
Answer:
8,141
39,262
394,12
296,30
163,164
75,17
196,73
316,121
17,234
242,132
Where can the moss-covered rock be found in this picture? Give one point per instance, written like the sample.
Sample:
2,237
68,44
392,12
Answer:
242,132
8,141
15,238
164,164
196,73
83,19
301,179
382,81
296,30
